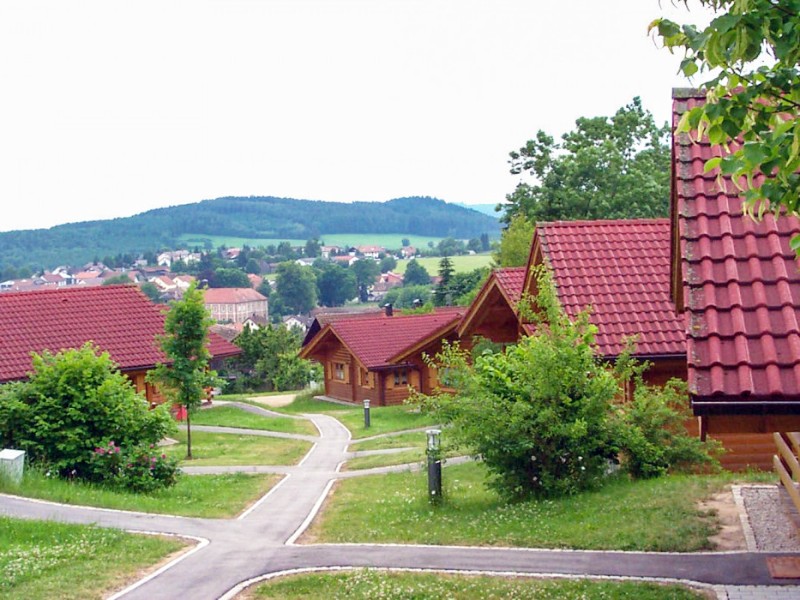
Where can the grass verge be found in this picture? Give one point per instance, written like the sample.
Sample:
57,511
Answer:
383,419
42,559
415,441
368,584
651,515
226,449
385,460
213,496
231,416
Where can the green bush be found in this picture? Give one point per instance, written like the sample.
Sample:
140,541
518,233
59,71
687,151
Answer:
537,414
652,435
139,469
74,402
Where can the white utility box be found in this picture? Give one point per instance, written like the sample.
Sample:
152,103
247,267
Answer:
12,463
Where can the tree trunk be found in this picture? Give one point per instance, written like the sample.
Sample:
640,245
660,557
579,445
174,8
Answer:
188,435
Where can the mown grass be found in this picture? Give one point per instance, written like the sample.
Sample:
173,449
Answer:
416,442
232,416
43,560
461,264
367,584
410,439
383,419
226,449
385,460
653,515
213,496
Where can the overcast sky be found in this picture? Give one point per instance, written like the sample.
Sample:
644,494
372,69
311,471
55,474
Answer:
109,108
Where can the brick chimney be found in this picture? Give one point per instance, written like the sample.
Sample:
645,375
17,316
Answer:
388,309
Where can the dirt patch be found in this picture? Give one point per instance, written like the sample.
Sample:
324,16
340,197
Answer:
167,441
730,535
275,401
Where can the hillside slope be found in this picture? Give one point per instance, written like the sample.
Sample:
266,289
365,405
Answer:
252,217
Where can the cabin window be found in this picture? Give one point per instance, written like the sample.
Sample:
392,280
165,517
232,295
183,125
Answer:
365,379
401,377
338,371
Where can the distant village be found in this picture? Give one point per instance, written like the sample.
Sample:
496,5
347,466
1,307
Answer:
233,307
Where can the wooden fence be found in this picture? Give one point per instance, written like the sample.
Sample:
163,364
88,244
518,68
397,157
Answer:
786,463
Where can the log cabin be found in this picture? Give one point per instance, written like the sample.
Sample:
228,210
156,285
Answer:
380,356
737,280
118,319
493,313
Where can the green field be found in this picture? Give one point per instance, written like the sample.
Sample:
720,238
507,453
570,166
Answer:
461,264
393,241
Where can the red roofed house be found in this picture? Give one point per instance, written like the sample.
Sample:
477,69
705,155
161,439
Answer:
235,305
620,270
378,357
119,319
738,283
371,251
493,313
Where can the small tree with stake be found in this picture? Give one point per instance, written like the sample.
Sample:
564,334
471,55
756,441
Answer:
185,343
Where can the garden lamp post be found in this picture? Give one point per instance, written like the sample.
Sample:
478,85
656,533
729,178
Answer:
434,466
366,413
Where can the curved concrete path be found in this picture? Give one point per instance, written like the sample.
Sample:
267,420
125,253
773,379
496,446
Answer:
260,542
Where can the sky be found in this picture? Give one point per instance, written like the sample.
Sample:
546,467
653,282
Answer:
112,108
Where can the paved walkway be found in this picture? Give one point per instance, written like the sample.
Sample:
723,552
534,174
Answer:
260,542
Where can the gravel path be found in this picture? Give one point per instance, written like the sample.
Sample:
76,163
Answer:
772,528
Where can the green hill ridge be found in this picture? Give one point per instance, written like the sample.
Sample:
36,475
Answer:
256,217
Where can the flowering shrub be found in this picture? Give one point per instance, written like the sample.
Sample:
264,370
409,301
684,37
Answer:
75,401
137,469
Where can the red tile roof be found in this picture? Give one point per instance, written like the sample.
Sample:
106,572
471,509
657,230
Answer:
119,319
376,340
511,281
619,268
740,284
231,295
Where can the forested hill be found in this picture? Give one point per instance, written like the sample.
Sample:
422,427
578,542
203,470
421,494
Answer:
252,217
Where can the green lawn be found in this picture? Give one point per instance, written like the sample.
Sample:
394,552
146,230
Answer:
213,496
385,460
653,515
417,441
231,416
367,584
383,419
225,449
43,560
461,264
411,439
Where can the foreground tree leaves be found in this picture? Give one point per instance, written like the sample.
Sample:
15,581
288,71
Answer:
753,48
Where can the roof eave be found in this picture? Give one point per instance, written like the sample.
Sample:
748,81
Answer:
475,307
731,406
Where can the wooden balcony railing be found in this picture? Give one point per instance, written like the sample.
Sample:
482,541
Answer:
786,463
